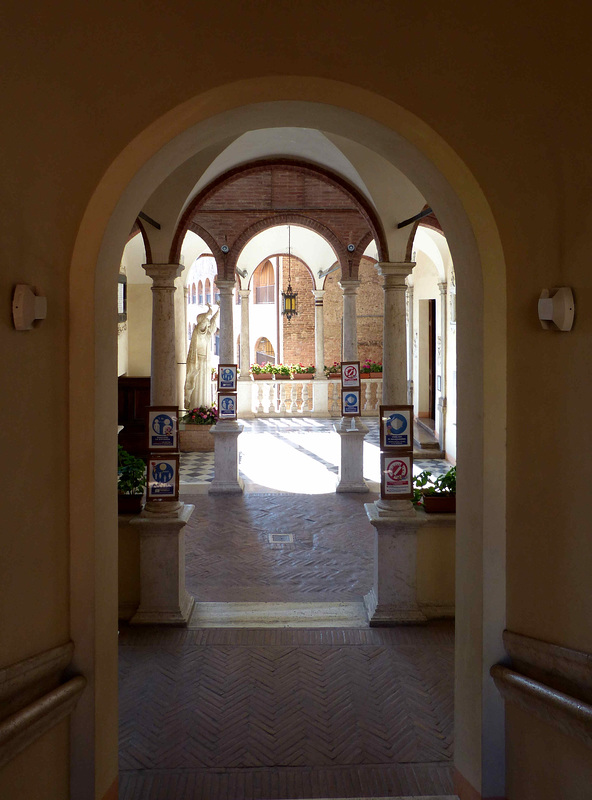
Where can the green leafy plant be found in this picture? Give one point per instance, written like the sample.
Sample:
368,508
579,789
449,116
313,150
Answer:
301,369
204,415
425,484
282,369
371,366
131,471
333,369
259,369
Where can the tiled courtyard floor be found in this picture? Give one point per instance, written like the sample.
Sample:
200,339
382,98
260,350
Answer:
233,713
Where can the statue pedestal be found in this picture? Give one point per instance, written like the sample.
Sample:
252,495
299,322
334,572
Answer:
164,600
393,597
351,467
226,478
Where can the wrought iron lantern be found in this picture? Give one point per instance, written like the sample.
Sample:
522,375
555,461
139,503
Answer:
289,297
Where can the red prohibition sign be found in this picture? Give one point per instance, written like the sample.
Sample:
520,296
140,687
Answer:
350,372
397,470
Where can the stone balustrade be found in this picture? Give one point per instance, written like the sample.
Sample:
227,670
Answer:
291,398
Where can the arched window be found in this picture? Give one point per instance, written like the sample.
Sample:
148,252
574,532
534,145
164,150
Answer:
208,291
264,283
216,293
193,294
264,351
200,293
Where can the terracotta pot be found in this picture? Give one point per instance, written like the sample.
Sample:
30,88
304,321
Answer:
303,376
261,376
439,504
334,376
375,375
129,503
365,375
282,377
196,439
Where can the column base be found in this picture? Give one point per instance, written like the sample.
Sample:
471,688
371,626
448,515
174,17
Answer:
226,477
164,600
351,468
385,614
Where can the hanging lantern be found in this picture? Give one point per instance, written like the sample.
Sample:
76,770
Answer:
289,297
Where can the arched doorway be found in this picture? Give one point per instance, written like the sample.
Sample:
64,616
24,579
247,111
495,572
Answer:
430,164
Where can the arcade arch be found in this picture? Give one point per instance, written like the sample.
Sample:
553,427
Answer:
392,135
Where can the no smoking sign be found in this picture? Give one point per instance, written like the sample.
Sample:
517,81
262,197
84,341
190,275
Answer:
396,475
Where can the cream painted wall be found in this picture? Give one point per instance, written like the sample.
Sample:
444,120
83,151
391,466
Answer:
139,320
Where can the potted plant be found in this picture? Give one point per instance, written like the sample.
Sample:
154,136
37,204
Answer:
334,371
131,482
300,372
374,368
195,430
281,372
436,496
261,372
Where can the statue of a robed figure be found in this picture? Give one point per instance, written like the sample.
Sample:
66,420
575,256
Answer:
199,361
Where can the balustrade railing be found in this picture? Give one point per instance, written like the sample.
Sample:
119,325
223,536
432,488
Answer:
290,398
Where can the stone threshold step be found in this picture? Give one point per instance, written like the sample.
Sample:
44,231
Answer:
278,615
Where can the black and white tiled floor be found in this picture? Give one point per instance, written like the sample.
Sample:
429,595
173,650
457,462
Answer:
268,441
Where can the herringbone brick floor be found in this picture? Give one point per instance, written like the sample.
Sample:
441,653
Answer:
232,714
229,557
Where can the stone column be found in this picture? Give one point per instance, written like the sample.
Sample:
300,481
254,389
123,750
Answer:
351,429
226,321
163,596
226,432
163,382
181,340
394,341
393,598
320,387
443,287
245,384
410,344
349,288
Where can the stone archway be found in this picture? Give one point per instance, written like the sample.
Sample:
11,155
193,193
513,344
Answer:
464,213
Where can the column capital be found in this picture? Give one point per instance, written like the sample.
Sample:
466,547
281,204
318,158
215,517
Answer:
163,275
349,285
225,286
244,293
443,287
318,294
395,272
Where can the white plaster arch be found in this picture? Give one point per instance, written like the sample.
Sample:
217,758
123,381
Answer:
442,177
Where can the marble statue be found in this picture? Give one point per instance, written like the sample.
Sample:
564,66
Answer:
199,368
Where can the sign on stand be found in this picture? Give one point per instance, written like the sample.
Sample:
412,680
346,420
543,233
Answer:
227,377
163,477
396,427
396,476
350,374
227,405
162,427
350,403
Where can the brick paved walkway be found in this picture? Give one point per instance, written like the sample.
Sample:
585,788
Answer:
234,714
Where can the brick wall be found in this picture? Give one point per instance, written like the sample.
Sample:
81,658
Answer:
299,333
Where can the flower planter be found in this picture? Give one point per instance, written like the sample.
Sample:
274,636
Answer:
439,504
365,375
375,375
303,376
196,439
130,503
282,377
334,376
261,376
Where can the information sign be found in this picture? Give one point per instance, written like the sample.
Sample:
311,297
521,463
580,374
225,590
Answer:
350,402
396,427
227,405
163,477
396,476
350,374
162,427
227,376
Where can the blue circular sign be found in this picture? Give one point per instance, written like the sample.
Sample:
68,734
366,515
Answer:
162,424
162,472
397,423
351,399
227,374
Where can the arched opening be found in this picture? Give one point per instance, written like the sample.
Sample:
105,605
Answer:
264,352
472,234
264,283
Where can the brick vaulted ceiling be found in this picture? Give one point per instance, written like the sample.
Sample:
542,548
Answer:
249,199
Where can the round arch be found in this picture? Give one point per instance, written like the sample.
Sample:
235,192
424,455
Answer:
463,210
